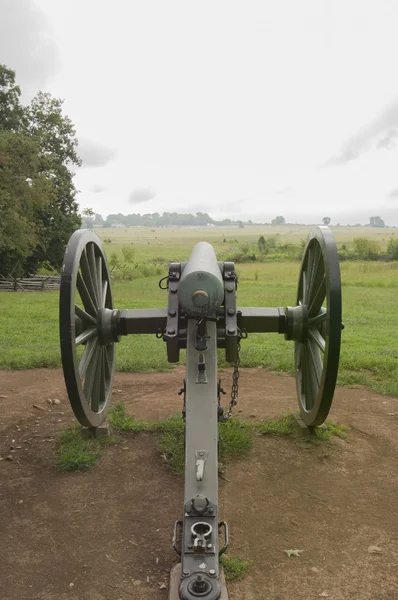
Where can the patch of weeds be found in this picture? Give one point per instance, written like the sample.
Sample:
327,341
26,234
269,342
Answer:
122,423
171,443
73,453
234,568
323,435
284,426
236,438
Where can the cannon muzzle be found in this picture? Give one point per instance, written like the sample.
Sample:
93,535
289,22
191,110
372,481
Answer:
201,288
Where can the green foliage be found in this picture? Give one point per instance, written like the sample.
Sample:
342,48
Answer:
171,443
392,249
235,569
128,254
287,426
366,249
37,147
236,438
262,245
122,423
11,110
284,426
24,191
278,221
73,453
376,222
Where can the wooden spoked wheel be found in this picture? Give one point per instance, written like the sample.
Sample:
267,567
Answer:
317,350
87,328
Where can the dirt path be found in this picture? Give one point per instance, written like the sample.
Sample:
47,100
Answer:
103,535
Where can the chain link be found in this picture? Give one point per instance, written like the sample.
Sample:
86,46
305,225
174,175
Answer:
235,378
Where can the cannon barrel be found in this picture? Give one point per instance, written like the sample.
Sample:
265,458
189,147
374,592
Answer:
201,288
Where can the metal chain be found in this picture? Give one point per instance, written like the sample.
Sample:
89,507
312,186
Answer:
235,384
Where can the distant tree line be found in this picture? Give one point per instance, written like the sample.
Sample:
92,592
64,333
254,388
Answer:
158,220
91,219
38,209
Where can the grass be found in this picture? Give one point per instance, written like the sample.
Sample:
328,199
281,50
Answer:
235,439
29,335
235,568
286,426
74,453
121,423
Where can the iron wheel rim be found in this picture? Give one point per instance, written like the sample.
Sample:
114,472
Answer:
88,378
317,355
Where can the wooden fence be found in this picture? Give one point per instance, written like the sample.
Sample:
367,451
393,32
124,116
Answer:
32,283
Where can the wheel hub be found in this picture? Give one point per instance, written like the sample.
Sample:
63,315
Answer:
107,325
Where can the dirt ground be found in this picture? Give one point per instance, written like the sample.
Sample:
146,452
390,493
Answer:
106,534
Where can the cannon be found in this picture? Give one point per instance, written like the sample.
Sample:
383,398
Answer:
201,315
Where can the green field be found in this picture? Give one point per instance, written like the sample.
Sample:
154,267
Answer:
174,243
29,331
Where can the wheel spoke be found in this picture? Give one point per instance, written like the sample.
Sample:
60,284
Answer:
318,320
90,252
317,300
307,276
86,335
91,371
104,293
84,316
98,387
108,369
316,263
98,264
315,363
317,338
87,272
87,300
308,389
87,356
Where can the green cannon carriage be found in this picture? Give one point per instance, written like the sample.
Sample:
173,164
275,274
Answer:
201,315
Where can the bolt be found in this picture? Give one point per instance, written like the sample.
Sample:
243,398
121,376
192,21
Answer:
172,313
186,572
231,311
173,290
231,331
212,572
171,331
201,453
210,510
210,546
230,288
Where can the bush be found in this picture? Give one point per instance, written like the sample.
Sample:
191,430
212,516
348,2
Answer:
128,254
366,249
392,249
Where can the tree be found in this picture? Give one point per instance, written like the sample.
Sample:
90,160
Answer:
376,222
278,221
262,244
39,153
24,191
326,220
11,110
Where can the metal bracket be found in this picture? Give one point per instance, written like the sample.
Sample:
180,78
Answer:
201,377
201,458
231,324
171,334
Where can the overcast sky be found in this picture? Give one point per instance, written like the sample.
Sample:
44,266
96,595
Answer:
246,109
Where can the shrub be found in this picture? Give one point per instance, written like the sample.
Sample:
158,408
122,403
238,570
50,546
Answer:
392,249
366,249
128,254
